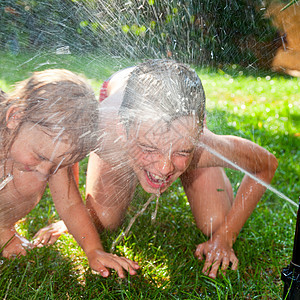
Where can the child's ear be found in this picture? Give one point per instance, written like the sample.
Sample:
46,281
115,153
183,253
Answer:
13,117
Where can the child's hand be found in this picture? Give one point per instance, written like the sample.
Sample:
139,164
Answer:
16,245
218,253
100,260
49,234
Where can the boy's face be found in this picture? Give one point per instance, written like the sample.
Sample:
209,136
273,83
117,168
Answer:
160,152
35,150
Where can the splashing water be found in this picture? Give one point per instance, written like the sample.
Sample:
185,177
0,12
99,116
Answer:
125,232
154,214
268,186
5,181
111,37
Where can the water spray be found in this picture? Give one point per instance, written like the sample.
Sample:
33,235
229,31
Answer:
5,181
291,274
124,233
268,186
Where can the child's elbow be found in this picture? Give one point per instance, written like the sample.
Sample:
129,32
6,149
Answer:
273,164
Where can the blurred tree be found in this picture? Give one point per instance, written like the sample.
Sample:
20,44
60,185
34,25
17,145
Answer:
202,32
38,24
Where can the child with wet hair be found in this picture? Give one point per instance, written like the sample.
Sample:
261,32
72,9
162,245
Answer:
153,131
48,123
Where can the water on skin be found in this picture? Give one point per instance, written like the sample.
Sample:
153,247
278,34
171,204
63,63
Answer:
104,8
152,197
154,214
268,186
5,181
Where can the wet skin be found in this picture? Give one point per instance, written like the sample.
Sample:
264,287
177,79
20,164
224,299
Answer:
157,154
158,157
32,159
156,162
35,158
160,154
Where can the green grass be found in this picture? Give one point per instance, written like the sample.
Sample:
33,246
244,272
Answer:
262,107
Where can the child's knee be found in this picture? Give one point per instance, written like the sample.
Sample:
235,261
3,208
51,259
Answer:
109,221
103,218
228,187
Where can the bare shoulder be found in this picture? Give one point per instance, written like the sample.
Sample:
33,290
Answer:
118,80
212,147
202,157
227,151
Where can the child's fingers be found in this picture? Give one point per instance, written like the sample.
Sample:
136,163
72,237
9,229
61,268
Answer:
44,237
14,253
41,239
112,264
129,265
214,266
234,260
100,260
199,251
132,263
120,264
214,269
50,234
37,235
208,263
48,239
225,264
211,265
37,242
101,269
107,262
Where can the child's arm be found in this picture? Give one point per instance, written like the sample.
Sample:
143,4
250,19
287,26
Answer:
71,209
255,160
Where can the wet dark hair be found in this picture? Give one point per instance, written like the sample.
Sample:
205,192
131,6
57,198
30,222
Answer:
58,101
163,88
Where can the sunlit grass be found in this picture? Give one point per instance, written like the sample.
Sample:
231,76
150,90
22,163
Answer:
260,106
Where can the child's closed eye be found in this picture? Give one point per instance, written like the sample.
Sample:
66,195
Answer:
41,157
147,149
182,154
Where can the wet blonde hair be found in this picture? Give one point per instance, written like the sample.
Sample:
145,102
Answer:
58,101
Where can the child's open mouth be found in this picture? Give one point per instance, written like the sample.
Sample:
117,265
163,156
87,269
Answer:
156,181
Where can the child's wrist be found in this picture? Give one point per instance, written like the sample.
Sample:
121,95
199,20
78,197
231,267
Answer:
88,246
224,234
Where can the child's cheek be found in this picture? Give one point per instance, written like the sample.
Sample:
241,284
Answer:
24,161
150,158
181,163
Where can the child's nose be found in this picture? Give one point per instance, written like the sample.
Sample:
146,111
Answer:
44,169
165,166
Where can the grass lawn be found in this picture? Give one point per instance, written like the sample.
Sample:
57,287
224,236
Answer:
259,106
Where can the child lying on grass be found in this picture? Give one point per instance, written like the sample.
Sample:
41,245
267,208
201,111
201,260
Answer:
48,123
153,132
